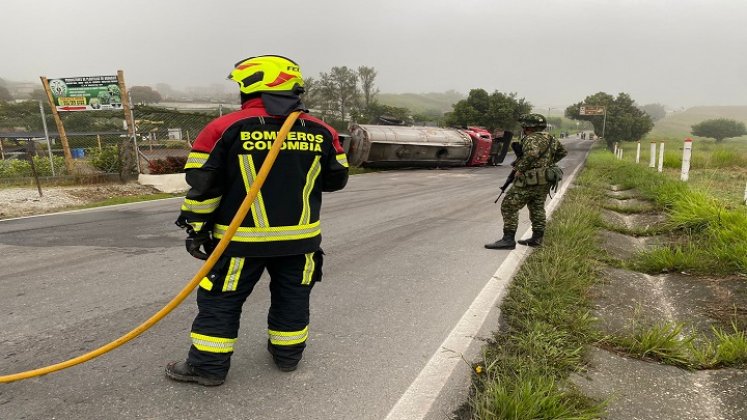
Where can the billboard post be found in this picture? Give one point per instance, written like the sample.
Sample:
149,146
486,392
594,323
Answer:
60,127
127,151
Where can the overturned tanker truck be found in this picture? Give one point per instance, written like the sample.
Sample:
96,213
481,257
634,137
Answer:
404,146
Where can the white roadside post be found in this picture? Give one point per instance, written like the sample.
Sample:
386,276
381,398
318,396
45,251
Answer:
652,161
620,151
638,152
661,156
615,151
745,195
687,152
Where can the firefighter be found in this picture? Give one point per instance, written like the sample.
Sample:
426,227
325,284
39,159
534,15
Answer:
540,152
280,234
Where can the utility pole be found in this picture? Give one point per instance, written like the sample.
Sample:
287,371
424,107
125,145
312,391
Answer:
46,136
604,123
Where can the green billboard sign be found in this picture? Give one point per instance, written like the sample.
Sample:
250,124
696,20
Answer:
86,93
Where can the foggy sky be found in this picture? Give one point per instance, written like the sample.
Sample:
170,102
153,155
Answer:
551,52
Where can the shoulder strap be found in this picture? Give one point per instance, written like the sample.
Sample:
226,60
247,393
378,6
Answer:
549,145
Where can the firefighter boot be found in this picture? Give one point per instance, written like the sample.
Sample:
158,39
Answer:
283,364
507,242
535,240
184,372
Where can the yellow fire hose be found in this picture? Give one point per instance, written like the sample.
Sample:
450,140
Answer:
204,270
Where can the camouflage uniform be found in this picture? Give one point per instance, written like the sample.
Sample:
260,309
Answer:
540,151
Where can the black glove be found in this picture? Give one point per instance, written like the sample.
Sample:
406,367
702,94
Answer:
196,240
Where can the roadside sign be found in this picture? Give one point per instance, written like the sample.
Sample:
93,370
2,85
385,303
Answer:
86,93
591,110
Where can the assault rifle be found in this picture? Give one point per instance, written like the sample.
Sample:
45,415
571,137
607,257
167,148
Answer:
512,176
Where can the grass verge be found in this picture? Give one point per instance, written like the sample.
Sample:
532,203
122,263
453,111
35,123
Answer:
546,318
546,325
124,200
712,232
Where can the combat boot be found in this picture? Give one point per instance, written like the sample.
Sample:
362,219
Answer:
184,372
507,242
535,240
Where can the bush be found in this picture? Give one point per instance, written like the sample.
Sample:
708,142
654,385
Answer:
18,168
177,144
14,168
106,159
44,168
170,165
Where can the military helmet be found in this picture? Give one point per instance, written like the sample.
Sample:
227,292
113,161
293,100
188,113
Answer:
537,121
268,73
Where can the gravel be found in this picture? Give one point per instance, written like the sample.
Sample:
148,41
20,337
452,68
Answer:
17,202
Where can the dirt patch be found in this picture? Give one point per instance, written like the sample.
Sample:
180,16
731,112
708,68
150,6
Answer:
17,202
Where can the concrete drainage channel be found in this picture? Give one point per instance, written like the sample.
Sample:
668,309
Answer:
627,300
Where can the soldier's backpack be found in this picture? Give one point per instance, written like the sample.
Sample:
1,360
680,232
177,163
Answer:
553,174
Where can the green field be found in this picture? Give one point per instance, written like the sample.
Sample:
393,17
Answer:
677,124
438,102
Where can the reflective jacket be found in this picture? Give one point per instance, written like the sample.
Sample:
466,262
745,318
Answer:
284,218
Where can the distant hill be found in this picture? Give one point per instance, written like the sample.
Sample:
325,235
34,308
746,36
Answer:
422,103
677,124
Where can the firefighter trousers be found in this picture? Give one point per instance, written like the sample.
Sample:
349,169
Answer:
221,296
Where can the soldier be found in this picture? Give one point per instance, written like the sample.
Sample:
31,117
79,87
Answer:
540,151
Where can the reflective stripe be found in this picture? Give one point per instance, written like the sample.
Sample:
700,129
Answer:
201,207
196,226
288,338
248,172
196,160
311,176
206,284
233,274
210,344
308,269
342,159
276,233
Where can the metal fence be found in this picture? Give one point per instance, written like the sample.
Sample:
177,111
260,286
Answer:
99,143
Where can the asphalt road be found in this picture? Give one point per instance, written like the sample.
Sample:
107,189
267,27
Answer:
405,258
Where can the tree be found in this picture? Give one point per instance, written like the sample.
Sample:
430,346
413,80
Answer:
144,95
5,95
367,76
339,90
623,122
167,92
39,94
375,113
20,115
312,98
655,111
492,111
719,129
